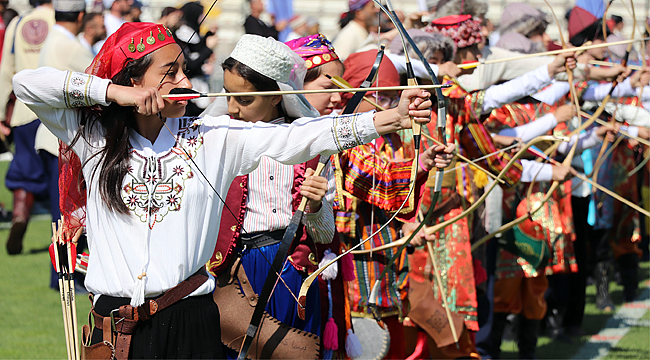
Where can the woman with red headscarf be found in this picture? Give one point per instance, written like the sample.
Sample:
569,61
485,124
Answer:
152,214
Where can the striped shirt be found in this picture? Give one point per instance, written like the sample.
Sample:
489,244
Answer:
269,201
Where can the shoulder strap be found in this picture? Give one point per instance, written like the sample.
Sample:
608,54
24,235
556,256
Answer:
13,41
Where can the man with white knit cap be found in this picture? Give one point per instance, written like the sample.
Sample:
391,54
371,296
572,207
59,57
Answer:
24,39
61,50
114,16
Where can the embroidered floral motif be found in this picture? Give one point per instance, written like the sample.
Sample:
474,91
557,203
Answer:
155,185
344,132
76,88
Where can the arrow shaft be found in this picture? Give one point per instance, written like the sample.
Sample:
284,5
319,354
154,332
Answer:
295,92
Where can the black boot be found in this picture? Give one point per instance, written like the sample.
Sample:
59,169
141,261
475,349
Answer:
628,265
23,202
554,329
527,337
498,326
601,275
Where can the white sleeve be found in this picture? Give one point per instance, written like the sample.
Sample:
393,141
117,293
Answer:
53,100
554,93
586,140
533,129
633,131
533,170
245,143
419,68
529,83
644,93
598,92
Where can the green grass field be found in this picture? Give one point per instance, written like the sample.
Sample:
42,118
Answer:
31,325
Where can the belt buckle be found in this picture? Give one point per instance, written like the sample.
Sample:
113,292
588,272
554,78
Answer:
113,322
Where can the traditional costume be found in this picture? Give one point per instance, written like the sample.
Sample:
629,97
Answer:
373,180
171,229
316,50
266,199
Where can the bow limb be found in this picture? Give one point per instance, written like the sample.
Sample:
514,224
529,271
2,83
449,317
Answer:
417,130
357,97
600,159
576,103
554,185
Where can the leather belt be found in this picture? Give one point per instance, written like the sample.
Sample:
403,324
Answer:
125,319
262,239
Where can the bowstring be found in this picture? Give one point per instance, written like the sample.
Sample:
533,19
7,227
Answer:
198,169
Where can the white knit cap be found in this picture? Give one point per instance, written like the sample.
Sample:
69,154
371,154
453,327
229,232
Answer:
276,61
108,4
69,5
267,56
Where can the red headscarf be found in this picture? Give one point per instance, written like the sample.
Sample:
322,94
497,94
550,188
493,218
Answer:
131,41
358,66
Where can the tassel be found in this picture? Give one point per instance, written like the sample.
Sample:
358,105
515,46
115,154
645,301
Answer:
327,354
347,268
480,179
332,271
138,292
331,335
353,345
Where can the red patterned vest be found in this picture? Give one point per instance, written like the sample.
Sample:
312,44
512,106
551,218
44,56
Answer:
303,255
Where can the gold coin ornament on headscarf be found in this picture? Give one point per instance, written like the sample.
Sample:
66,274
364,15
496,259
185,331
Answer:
161,36
150,39
132,46
141,45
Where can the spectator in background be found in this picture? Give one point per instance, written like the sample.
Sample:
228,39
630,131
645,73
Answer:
3,8
615,24
313,26
136,11
299,27
26,176
199,57
115,12
254,25
93,31
355,27
171,18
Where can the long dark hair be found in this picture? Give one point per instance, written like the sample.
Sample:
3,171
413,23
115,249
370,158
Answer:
113,122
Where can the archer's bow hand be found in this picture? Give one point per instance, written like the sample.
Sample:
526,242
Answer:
564,113
640,78
562,173
314,189
561,62
414,103
450,69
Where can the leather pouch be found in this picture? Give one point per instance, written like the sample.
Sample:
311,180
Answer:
274,339
101,351
428,314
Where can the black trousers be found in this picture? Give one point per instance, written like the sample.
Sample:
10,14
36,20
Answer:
577,282
188,329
